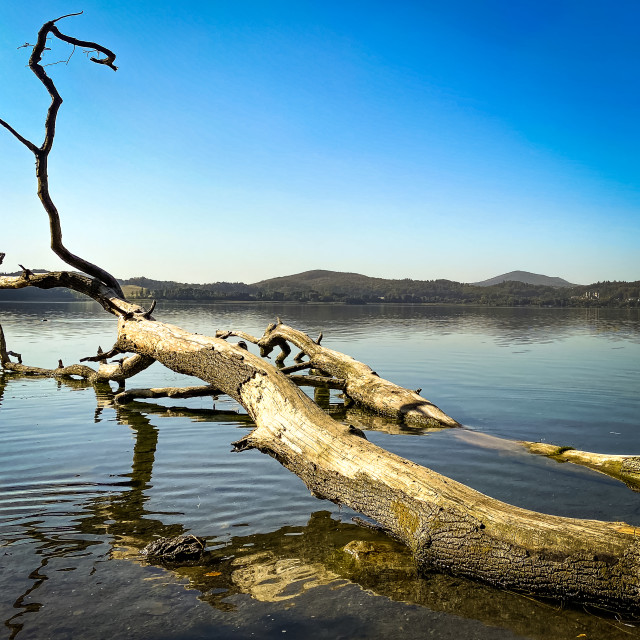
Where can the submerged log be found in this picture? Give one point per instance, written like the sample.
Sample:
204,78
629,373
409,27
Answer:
621,467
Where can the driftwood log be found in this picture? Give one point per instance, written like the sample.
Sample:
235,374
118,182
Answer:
361,383
447,526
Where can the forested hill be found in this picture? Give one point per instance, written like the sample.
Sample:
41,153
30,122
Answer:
331,286
355,288
526,277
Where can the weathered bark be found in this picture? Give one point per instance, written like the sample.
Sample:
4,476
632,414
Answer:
448,526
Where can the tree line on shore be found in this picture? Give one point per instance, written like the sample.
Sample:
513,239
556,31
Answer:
335,287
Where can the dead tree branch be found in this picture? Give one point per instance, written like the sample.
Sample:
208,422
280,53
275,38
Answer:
363,385
166,392
104,295
41,153
296,367
114,372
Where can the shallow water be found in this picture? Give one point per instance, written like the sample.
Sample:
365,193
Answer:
83,488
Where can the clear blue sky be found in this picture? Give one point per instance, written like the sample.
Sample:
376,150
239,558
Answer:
246,139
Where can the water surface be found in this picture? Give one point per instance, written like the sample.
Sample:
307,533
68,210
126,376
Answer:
84,487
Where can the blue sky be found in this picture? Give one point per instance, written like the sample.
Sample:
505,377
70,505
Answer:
241,140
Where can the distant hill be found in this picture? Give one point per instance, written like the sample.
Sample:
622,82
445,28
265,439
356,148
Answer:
527,278
515,289
326,286
322,280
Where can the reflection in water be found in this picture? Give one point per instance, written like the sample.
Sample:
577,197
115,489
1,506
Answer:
78,501
278,567
507,326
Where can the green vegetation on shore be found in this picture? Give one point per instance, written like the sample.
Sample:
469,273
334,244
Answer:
353,288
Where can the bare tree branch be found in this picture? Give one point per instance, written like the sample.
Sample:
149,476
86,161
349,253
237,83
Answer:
108,61
109,299
42,153
119,372
166,392
27,143
318,381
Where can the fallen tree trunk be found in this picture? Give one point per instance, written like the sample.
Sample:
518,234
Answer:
447,525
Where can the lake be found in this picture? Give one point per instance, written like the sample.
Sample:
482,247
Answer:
84,487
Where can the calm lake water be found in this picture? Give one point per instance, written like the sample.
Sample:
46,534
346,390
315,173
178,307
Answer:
83,486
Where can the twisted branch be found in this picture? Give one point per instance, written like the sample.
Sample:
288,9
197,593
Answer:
42,153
